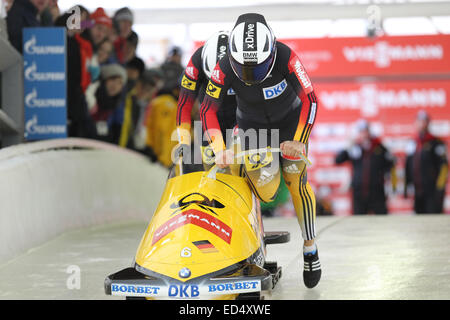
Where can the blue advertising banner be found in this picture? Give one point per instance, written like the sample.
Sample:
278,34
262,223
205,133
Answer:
44,55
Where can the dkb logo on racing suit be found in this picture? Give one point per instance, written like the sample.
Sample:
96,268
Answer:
275,91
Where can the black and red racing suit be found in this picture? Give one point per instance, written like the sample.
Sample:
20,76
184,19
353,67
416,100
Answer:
284,101
193,86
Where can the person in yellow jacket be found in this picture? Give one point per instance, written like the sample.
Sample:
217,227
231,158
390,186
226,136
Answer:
161,124
135,110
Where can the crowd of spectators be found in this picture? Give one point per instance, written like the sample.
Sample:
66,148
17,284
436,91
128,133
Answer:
110,91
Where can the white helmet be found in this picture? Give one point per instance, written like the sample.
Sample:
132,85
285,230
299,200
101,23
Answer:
252,48
214,49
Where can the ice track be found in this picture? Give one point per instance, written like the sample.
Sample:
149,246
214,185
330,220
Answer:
368,257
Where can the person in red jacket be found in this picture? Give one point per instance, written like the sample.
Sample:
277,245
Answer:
100,28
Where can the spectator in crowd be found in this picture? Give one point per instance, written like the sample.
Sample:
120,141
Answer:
100,28
135,67
8,4
87,66
158,76
136,103
172,69
371,161
426,169
85,21
123,22
103,98
134,71
140,137
50,14
96,34
104,51
79,121
130,47
23,14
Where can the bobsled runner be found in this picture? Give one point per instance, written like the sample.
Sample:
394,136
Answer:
205,241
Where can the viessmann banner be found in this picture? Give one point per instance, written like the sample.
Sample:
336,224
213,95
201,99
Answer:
394,55
387,101
391,107
44,54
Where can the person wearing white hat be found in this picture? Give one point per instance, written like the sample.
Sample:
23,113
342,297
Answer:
103,98
123,23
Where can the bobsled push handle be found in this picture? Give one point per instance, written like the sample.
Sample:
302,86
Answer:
302,157
213,172
214,169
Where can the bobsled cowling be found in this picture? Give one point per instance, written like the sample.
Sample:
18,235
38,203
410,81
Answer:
205,240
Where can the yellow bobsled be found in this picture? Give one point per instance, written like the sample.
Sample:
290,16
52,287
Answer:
205,241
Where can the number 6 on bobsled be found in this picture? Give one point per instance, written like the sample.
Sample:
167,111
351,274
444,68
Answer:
205,241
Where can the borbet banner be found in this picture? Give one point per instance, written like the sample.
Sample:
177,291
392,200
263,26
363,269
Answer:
391,108
381,56
44,55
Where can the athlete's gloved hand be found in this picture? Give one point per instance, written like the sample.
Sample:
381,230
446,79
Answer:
224,158
293,149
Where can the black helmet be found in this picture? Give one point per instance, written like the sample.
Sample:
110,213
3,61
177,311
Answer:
252,48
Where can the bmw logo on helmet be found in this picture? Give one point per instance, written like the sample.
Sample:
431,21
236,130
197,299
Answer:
184,273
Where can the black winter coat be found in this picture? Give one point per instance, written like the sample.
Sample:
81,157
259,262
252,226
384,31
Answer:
21,15
369,168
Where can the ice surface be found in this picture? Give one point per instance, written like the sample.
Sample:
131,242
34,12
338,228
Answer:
363,257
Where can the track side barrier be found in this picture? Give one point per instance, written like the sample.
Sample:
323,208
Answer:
50,187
